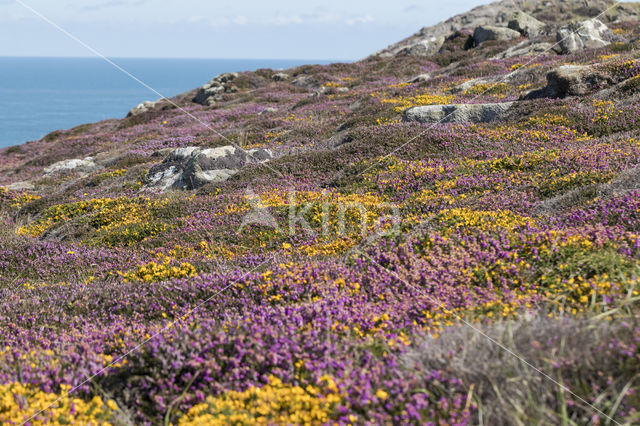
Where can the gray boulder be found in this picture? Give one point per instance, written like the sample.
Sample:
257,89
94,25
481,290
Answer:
280,77
306,81
526,48
462,113
586,35
75,165
425,47
146,106
212,92
191,167
487,33
20,186
422,78
525,24
572,80
142,108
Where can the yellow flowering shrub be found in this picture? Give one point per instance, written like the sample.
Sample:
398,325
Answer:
548,119
18,403
160,271
483,219
16,201
117,220
499,89
274,403
404,102
605,110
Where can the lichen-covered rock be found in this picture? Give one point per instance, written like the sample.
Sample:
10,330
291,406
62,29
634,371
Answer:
191,167
426,47
526,48
462,113
306,81
525,24
74,165
487,33
572,80
585,35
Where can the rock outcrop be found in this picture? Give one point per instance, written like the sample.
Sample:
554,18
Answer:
280,77
572,80
20,186
74,165
212,92
146,106
306,81
426,47
191,167
488,33
499,13
586,35
142,108
462,113
526,48
422,78
525,24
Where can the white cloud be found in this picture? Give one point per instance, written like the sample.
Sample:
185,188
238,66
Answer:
359,20
240,20
287,20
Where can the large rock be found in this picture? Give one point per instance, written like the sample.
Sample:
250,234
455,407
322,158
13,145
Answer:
586,35
462,113
306,81
525,24
212,92
20,186
526,48
422,78
141,108
426,47
191,167
280,77
146,106
572,80
75,165
487,33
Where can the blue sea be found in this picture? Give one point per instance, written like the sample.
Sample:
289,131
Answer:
40,95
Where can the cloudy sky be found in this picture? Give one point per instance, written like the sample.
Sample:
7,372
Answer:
307,29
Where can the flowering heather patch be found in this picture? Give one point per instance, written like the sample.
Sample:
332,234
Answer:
352,279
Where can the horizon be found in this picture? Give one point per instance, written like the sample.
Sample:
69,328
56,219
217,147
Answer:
174,58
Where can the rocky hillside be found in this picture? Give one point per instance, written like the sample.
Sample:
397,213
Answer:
446,232
549,16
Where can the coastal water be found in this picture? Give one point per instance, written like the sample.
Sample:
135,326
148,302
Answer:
39,95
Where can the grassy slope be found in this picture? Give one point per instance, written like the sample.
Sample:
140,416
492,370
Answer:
318,327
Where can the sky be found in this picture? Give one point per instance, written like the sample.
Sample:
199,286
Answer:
282,29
